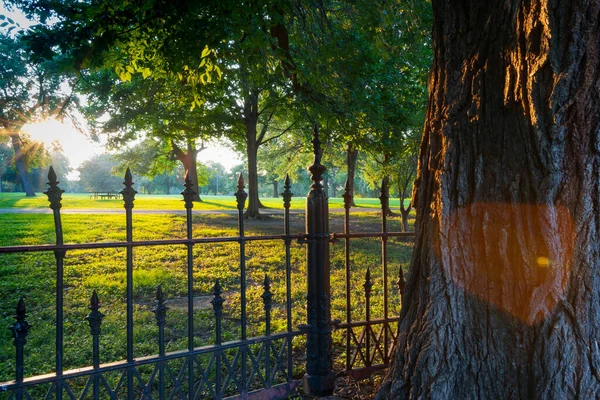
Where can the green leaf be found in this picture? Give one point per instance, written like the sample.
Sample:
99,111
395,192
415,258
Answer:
205,52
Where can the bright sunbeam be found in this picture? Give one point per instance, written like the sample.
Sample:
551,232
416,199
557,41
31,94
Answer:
76,146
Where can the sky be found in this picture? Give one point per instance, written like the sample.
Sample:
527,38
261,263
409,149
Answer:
78,148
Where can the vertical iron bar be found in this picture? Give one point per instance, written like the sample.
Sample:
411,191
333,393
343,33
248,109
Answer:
267,297
287,198
128,194
188,197
368,285
160,311
347,203
217,303
319,379
384,198
54,194
94,319
19,330
241,197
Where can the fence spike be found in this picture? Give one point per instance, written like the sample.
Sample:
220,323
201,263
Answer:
94,318
217,301
267,295
287,193
188,193
401,285
368,285
128,192
160,309
54,193
19,330
21,327
316,169
347,195
241,195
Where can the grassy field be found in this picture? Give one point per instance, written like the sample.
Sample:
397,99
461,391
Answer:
165,202
32,275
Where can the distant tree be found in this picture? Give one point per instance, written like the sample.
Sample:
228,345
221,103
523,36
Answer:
61,165
6,158
156,111
31,89
96,174
218,178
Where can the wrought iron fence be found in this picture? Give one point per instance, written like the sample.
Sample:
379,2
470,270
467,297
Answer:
249,366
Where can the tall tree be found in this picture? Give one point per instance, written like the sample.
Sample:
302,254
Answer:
502,295
156,109
31,89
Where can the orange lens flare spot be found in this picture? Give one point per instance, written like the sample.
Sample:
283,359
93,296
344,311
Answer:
543,262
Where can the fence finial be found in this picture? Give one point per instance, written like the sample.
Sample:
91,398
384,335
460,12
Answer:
267,296
401,285
128,193
241,195
287,193
94,318
188,193
217,301
316,169
160,310
368,285
21,327
54,193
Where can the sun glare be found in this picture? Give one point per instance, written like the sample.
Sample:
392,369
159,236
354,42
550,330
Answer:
76,147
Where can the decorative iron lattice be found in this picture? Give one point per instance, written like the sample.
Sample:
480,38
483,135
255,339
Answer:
247,366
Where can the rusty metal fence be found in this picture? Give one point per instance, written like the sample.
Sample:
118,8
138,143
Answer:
248,367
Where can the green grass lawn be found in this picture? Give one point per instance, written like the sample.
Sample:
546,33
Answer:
164,202
32,275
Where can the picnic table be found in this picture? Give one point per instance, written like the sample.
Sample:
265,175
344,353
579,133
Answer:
105,195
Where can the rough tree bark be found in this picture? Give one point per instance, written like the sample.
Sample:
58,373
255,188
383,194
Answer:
351,158
503,296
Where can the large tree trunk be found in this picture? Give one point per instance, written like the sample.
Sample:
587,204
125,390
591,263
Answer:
275,188
252,144
21,164
252,209
351,158
189,161
404,210
503,296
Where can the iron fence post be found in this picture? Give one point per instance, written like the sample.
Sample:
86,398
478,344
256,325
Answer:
54,194
128,194
20,330
188,197
319,379
94,319
160,312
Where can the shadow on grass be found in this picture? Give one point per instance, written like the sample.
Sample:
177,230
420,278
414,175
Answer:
217,205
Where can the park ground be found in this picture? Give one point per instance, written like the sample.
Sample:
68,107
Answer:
25,222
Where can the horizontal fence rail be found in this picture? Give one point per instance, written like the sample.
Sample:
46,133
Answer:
261,363
241,367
